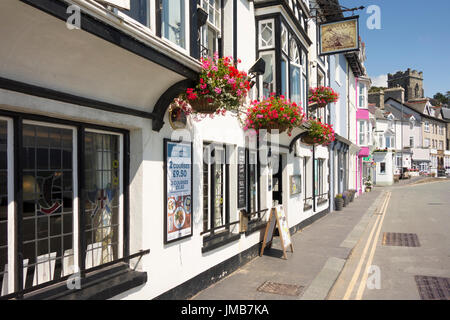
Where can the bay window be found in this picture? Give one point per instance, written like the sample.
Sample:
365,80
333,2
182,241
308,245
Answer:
290,69
295,73
59,231
363,132
268,78
362,95
284,77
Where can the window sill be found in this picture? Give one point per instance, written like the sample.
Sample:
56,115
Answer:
307,207
99,285
255,226
213,242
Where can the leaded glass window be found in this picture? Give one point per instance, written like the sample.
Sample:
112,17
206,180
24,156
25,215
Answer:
266,34
3,207
284,39
48,196
103,180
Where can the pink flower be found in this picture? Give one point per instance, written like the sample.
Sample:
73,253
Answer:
218,90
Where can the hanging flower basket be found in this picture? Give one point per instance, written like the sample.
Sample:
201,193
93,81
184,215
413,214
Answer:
318,133
221,87
204,105
271,127
274,113
308,140
321,96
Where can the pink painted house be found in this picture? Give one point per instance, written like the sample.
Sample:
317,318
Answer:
363,129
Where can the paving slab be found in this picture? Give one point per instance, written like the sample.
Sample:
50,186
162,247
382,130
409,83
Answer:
320,252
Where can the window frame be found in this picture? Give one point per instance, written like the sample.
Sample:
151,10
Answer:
10,223
160,21
17,120
150,16
211,228
261,77
248,152
261,46
217,28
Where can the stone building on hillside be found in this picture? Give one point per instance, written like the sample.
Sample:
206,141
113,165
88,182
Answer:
410,80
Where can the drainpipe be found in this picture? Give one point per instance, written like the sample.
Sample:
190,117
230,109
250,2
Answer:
348,122
356,132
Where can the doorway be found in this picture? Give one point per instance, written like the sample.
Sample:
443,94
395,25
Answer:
277,179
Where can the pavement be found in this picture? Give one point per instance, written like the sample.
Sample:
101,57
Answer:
328,252
320,253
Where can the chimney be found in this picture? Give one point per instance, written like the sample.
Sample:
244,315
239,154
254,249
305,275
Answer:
397,93
377,98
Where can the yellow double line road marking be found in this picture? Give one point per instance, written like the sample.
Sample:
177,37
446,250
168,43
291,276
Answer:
376,226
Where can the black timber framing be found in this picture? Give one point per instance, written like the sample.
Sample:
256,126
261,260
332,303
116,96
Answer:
46,93
291,15
164,101
58,9
278,19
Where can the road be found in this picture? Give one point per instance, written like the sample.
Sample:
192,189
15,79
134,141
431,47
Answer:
379,270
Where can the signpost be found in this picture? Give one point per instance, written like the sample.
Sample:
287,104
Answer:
277,219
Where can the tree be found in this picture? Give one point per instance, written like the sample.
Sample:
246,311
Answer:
444,99
376,89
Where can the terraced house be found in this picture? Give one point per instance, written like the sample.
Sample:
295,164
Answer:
104,184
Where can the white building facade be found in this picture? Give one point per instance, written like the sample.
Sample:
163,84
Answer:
87,138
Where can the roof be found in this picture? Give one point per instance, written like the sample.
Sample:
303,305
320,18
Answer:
417,105
446,114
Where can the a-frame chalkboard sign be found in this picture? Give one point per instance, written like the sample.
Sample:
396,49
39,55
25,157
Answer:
277,219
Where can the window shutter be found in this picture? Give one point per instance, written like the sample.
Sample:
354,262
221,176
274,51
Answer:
121,4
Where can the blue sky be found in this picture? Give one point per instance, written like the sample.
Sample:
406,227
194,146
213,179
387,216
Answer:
414,34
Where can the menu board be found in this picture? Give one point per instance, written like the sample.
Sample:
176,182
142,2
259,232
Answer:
178,190
277,219
283,227
242,181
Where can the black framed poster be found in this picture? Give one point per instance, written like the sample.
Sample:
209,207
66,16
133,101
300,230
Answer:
242,179
177,190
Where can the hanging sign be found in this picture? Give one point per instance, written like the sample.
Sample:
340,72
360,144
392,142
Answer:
339,36
278,220
242,181
178,190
